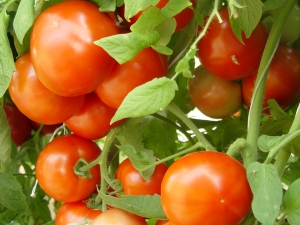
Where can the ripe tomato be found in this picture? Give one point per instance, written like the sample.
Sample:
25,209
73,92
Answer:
55,168
283,79
75,212
62,47
145,66
117,216
206,188
35,101
18,123
161,222
224,56
92,121
46,129
134,184
182,18
214,97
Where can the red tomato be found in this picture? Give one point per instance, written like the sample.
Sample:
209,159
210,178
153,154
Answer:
182,18
117,216
18,123
35,101
161,222
55,168
134,184
206,188
283,81
145,66
62,47
75,212
224,56
93,119
46,129
214,97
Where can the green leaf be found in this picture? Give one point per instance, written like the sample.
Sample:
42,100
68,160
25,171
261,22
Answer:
147,99
123,47
132,7
148,206
5,139
291,203
173,7
293,146
11,195
184,64
24,19
265,142
108,5
267,192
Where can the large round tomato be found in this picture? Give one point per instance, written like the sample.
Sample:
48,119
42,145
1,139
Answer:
35,101
206,188
223,55
117,216
71,212
145,66
214,97
133,183
182,18
92,121
55,168
18,123
283,79
62,47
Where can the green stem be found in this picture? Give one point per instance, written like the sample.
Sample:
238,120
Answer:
257,98
236,146
177,112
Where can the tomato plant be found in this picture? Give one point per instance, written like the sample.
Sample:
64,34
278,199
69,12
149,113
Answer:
203,184
46,129
283,79
134,184
36,101
214,97
61,155
223,55
61,63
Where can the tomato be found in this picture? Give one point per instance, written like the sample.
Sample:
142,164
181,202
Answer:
182,18
18,123
133,183
92,121
283,79
75,212
55,168
161,222
206,188
46,129
224,56
62,47
37,102
214,97
145,66
117,216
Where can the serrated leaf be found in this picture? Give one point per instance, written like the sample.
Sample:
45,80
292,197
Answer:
267,192
147,99
291,203
11,195
24,18
132,7
148,206
5,139
173,7
123,47
166,30
184,64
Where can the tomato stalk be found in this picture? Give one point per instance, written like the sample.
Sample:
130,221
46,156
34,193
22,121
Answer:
250,154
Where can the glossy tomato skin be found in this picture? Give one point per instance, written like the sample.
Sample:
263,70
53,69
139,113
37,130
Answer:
133,183
117,216
214,97
206,188
283,79
144,67
224,56
75,212
55,168
92,121
35,101
182,18
62,47
18,123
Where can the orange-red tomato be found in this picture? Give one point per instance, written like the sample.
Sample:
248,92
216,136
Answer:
55,168
62,47
37,102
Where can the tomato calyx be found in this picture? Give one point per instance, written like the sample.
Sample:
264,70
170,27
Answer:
82,169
